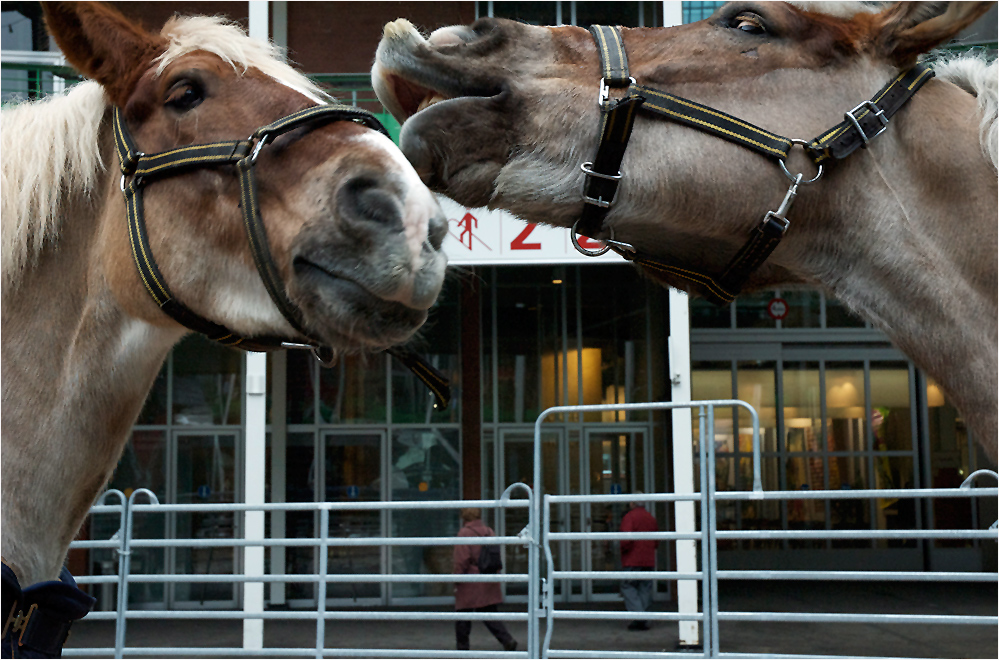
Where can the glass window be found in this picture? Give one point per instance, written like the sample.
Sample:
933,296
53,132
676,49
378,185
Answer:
439,342
751,310
949,464
354,391
154,411
696,11
206,473
301,387
704,314
207,383
352,473
891,423
535,13
804,309
838,316
300,486
528,337
614,352
607,13
426,465
143,465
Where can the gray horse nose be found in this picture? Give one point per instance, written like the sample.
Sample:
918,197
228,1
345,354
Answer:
437,229
366,201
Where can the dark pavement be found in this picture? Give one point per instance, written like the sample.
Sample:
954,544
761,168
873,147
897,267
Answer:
889,640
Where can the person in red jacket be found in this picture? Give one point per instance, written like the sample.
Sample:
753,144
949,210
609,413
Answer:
476,596
638,556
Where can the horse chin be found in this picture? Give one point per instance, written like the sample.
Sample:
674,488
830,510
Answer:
453,152
346,315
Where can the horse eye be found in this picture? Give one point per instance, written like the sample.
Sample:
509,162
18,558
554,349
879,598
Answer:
750,23
184,96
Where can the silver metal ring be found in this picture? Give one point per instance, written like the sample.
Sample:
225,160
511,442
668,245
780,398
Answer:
581,249
794,177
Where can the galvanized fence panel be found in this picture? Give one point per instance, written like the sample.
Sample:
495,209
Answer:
709,536
125,544
537,537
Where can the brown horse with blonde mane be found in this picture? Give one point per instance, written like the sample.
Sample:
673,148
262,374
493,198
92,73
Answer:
903,231
345,255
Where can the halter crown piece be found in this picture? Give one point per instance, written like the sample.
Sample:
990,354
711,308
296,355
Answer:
603,176
139,169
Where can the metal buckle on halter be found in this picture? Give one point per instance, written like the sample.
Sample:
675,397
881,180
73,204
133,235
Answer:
587,168
604,95
878,113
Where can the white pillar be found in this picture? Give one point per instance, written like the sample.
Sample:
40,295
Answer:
256,438
253,486
683,458
672,13
279,459
683,454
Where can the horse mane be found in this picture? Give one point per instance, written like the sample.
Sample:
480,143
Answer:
978,77
64,154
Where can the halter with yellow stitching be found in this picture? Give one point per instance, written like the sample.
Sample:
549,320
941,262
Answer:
138,169
603,176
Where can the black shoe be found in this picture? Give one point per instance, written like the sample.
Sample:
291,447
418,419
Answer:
638,625
511,646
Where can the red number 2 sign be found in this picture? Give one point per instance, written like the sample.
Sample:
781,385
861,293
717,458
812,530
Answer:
520,243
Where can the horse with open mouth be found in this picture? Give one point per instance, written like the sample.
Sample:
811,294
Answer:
669,145
196,183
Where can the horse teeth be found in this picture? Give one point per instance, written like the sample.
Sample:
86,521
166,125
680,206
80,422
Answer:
429,101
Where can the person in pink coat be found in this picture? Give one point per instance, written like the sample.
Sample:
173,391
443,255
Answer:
476,596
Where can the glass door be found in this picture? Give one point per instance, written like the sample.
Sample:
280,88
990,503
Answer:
516,464
352,472
205,469
616,462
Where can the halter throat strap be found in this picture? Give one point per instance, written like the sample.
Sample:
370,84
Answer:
603,174
139,169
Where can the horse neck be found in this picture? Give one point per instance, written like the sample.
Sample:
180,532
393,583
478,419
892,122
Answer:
77,369
912,245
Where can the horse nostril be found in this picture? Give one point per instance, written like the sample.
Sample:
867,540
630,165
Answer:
365,198
437,230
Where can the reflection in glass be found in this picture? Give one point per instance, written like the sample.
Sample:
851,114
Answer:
142,465
205,474
949,465
426,465
207,383
352,468
354,391
300,470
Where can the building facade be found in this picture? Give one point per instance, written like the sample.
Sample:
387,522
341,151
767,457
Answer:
840,407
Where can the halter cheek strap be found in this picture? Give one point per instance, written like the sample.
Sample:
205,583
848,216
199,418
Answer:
603,174
143,169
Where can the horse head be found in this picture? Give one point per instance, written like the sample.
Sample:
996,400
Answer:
253,208
723,116
354,235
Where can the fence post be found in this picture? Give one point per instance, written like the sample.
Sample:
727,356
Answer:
124,567
324,524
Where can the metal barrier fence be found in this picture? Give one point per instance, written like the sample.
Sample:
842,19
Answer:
124,543
709,536
537,537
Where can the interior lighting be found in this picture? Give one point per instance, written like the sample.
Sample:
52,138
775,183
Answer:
556,281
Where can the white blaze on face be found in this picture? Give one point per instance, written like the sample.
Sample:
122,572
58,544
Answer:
419,204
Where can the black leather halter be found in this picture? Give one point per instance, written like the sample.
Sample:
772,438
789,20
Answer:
139,169
603,175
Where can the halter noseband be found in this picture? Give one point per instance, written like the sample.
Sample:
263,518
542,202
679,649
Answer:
600,185
145,168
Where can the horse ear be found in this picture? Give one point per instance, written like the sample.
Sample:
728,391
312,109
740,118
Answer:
911,28
102,44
